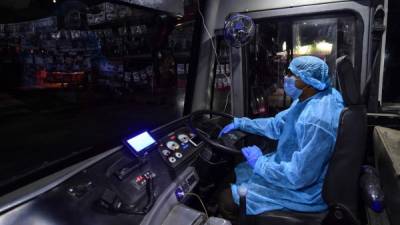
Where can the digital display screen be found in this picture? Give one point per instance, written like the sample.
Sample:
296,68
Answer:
141,141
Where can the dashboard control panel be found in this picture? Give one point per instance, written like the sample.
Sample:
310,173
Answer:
130,184
178,146
187,185
142,179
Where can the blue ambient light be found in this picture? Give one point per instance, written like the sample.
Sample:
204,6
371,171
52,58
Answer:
141,141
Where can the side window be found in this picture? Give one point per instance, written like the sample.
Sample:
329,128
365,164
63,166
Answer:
328,39
391,80
269,55
277,42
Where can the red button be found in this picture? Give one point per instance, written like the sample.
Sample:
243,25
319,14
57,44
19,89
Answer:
138,179
173,137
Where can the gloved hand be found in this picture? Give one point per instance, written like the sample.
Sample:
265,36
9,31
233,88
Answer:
228,128
252,153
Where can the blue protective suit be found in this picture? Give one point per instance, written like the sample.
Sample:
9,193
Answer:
291,178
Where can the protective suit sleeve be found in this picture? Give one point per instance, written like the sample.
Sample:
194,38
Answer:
315,147
268,127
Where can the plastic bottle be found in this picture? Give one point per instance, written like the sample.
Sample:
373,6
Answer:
242,191
372,191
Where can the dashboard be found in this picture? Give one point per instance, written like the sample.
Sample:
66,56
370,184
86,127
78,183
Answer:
138,183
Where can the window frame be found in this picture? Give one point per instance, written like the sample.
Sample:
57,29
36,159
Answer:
362,54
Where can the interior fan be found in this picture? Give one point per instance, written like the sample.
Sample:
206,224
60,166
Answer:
239,29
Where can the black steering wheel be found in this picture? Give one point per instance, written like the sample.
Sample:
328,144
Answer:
233,136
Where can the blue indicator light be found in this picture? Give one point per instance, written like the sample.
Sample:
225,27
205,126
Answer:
179,193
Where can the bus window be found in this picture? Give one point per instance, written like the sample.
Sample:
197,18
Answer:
278,41
391,93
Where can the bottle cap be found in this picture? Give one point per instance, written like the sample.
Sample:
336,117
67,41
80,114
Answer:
242,190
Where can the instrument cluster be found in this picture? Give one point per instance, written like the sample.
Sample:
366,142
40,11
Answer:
178,146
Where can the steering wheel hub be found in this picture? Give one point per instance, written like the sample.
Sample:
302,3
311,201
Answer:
227,142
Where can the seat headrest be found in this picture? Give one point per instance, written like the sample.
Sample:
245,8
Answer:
347,82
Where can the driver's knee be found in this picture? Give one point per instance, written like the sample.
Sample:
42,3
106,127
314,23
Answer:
227,207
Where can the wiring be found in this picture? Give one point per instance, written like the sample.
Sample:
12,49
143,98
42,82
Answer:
227,101
214,50
201,202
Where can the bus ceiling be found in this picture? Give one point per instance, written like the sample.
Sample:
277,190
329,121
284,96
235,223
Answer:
225,7
174,7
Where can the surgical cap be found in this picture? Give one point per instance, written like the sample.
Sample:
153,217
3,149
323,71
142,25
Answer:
312,71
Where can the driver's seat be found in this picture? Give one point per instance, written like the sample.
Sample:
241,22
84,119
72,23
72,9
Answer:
340,190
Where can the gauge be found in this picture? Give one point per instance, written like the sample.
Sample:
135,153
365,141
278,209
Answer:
166,152
183,138
172,159
178,155
172,145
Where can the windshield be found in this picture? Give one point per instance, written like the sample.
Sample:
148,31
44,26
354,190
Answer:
80,83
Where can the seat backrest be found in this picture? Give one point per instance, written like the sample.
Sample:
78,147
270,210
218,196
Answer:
347,82
341,183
